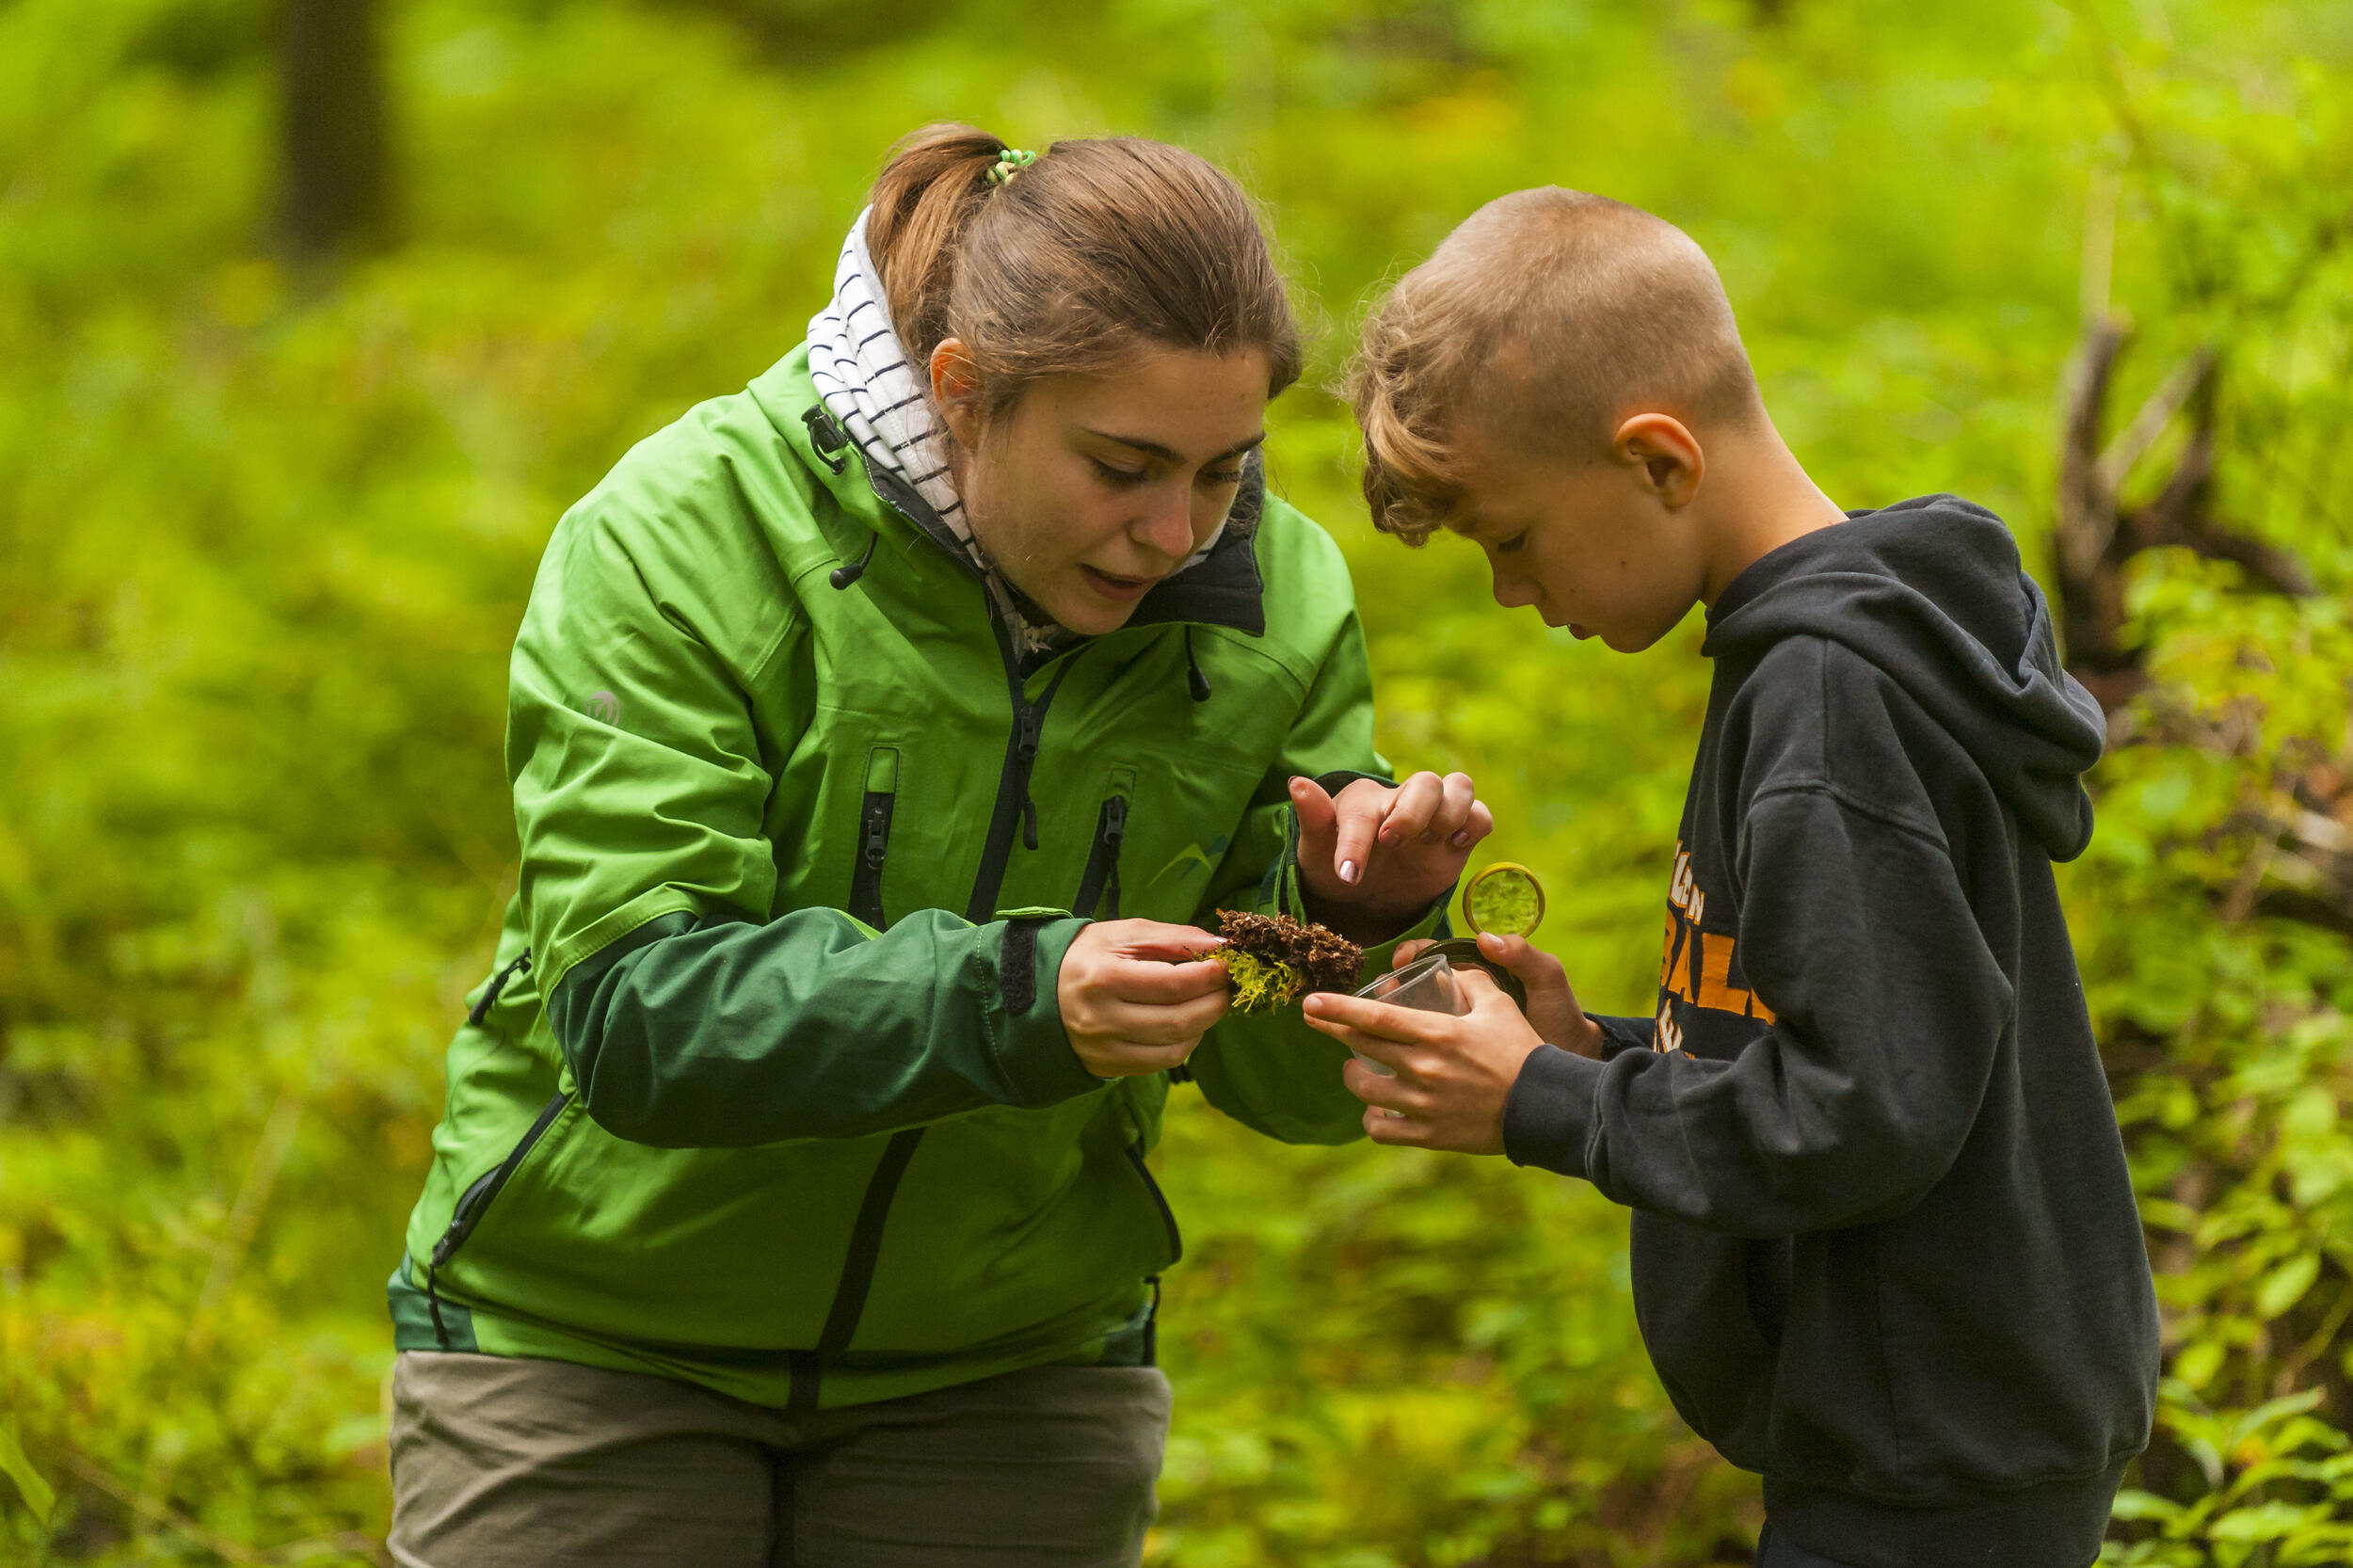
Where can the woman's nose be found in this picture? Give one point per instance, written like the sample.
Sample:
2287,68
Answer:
1168,526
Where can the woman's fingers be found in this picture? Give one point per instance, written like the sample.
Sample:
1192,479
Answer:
1357,814
1150,983
1158,939
1457,814
1134,1057
1128,1015
1456,795
1411,808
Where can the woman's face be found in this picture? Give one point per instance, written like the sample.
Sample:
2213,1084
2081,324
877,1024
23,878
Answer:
1092,488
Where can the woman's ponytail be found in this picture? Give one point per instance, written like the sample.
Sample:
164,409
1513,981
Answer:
922,204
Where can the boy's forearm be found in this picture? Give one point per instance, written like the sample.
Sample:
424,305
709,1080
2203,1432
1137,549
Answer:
1849,1106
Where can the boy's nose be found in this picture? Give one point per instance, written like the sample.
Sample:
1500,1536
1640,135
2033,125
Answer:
1513,590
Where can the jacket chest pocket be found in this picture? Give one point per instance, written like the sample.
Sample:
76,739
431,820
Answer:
873,837
1097,897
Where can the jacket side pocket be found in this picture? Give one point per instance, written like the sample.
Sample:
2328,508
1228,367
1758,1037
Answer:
476,1200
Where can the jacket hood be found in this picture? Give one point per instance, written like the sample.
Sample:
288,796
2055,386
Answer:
1930,591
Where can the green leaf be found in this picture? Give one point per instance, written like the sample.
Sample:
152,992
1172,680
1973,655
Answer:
2138,1505
2264,1522
2285,1284
36,1492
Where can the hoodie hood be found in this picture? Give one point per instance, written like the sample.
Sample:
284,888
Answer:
1930,591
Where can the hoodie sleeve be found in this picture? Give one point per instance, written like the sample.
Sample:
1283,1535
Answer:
1855,928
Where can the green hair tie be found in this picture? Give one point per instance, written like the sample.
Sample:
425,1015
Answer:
1012,161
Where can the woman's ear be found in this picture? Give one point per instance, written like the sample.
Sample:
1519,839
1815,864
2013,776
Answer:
956,392
1665,456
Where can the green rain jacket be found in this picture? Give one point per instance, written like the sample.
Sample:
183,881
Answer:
770,1091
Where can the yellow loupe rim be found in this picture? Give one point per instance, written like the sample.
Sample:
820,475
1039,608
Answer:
1470,895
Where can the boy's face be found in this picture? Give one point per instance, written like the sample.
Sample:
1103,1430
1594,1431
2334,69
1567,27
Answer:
1598,546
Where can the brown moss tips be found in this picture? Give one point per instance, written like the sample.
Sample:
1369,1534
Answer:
1283,959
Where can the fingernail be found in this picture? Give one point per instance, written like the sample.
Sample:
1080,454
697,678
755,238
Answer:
1460,839
1348,872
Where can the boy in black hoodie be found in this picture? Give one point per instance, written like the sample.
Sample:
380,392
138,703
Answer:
1885,1250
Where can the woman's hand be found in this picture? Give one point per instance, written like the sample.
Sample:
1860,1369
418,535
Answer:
1552,1008
1378,855
1129,1002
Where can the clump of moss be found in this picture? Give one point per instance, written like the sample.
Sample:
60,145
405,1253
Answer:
1259,985
1506,906
1272,960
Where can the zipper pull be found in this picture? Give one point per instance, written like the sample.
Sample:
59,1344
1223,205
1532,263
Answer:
877,837
1033,727
1114,823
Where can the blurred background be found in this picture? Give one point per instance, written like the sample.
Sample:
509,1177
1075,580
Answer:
314,314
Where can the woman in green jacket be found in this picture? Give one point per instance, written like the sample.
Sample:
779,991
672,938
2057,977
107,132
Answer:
880,737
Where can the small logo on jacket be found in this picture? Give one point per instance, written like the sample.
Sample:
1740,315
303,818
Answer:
603,706
1193,854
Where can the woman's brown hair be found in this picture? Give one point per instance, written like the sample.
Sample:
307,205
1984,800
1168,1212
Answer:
1095,250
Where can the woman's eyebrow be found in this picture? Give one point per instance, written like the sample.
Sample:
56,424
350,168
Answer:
1167,454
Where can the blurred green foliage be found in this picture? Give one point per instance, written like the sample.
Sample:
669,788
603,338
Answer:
264,536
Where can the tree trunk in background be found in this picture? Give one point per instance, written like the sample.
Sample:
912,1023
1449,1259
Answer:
336,197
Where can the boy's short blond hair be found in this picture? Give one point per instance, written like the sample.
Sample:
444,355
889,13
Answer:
1544,318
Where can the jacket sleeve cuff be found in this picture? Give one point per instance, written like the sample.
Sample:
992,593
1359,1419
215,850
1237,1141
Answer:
1619,1034
1548,1118
1026,1036
1379,956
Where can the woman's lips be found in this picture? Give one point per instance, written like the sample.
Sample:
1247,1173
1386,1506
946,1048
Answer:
1117,587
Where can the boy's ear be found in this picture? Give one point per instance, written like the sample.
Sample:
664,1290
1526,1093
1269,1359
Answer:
956,391
1664,454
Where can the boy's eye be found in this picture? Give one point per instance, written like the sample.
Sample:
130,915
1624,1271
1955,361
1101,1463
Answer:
1117,475
1233,478
1513,544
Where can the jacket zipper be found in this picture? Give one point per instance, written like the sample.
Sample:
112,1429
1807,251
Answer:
519,965
476,1200
1099,886
882,783
1013,808
1159,1201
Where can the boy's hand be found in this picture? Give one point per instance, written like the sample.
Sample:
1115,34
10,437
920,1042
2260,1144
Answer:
1130,1003
1552,1007
1453,1074
1377,854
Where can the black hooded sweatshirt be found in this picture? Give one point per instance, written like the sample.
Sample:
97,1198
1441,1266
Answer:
1885,1249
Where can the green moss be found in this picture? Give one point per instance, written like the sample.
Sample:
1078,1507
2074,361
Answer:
1505,903
1261,986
